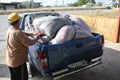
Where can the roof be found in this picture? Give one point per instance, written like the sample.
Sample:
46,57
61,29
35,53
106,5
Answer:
12,3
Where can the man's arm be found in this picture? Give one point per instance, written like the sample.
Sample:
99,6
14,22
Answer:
23,39
28,34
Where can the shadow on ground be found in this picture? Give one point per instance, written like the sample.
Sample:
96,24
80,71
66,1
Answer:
4,72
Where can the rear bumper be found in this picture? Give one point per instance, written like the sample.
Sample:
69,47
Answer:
67,71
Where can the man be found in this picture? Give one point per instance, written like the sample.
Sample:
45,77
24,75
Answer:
17,43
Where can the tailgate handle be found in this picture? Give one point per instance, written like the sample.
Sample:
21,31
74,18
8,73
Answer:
79,45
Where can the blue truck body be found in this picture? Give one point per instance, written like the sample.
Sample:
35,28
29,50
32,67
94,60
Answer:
65,58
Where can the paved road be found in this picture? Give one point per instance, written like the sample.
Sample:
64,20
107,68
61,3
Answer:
108,70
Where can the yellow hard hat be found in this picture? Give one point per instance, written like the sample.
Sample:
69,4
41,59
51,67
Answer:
13,17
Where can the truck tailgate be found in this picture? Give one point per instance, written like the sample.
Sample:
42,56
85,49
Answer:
63,54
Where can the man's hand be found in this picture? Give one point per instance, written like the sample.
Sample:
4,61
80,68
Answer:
39,35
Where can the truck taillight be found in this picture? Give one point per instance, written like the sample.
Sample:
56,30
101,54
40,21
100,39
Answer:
43,60
102,40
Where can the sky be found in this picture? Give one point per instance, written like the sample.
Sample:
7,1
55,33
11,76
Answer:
48,2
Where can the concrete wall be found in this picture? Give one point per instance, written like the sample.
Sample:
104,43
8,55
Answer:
103,25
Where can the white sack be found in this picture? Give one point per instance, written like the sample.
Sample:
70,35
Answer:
38,21
81,22
81,32
51,27
66,33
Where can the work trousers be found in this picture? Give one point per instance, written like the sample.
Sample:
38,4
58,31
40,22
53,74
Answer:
19,73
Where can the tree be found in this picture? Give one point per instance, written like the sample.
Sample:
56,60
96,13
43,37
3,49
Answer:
73,4
31,4
28,4
91,1
83,2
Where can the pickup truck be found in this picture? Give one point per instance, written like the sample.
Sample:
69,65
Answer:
65,58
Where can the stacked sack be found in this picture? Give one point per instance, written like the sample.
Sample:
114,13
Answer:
60,29
81,32
81,22
38,21
66,33
51,27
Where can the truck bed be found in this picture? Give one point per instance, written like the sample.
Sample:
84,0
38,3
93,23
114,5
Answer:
62,55
68,57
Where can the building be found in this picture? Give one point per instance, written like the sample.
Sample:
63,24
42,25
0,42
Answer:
9,6
16,5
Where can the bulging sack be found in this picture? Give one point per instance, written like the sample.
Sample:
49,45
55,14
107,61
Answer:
51,27
81,32
38,21
66,33
81,22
